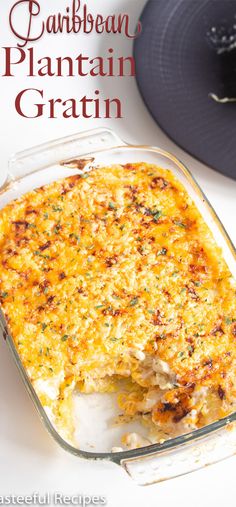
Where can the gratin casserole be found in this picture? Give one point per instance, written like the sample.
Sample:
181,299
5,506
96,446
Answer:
111,280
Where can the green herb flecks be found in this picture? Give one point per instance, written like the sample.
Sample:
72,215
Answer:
56,208
4,294
180,224
134,301
163,251
111,205
157,215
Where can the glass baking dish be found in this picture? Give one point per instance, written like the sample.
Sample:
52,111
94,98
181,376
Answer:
43,164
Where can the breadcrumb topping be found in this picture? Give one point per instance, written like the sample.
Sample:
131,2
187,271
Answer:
113,273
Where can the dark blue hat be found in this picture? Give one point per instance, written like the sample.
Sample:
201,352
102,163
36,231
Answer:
186,73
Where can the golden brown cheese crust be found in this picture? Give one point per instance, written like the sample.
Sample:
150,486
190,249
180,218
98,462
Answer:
98,267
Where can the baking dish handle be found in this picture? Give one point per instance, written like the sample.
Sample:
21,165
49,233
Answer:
189,457
78,145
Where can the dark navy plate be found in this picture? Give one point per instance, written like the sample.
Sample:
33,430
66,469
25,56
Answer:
186,73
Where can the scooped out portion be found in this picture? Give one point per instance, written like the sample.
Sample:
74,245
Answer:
112,275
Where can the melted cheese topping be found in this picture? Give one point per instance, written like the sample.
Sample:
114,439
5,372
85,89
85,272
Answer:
111,274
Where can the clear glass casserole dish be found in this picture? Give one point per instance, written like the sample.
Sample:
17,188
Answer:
49,162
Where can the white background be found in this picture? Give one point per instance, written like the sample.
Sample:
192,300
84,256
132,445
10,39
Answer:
29,459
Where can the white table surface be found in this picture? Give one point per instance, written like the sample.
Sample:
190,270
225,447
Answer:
29,459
